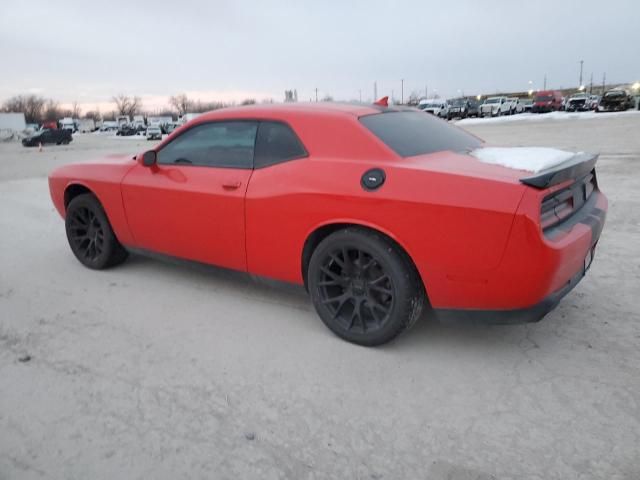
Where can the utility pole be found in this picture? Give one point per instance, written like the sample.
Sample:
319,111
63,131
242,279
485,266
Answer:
545,82
581,64
604,79
360,94
426,91
375,91
402,91
316,94
591,85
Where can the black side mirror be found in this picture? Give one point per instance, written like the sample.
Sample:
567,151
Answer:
149,158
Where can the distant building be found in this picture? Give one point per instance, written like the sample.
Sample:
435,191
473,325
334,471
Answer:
291,95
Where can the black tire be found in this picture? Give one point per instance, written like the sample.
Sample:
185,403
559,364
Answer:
364,288
90,235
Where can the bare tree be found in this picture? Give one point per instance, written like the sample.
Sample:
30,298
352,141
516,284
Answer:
52,111
93,114
76,110
181,103
199,106
126,105
248,101
31,105
414,98
327,98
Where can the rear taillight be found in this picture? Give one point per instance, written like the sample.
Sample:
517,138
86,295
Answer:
560,205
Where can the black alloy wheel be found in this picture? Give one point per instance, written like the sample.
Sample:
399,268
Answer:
363,287
86,233
356,289
90,235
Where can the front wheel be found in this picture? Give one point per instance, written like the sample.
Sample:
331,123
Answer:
90,235
363,287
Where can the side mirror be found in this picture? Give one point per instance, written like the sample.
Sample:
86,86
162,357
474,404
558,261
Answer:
149,158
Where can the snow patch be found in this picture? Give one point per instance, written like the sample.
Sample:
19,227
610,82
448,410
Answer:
539,117
128,137
532,159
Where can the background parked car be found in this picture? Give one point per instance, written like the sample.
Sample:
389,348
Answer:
462,108
154,132
495,106
439,108
547,101
593,101
526,103
516,106
126,130
169,127
473,108
578,102
44,136
109,126
616,99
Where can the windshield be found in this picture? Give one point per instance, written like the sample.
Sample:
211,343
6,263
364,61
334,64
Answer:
432,105
457,102
414,133
492,100
614,94
544,98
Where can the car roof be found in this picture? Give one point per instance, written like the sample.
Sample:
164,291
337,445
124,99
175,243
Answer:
286,110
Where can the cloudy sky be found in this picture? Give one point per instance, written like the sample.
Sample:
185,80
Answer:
88,51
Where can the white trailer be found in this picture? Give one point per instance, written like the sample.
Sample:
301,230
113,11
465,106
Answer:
187,117
67,123
12,122
86,125
138,121
159,120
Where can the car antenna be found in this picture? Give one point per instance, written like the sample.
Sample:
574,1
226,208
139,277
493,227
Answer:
383,102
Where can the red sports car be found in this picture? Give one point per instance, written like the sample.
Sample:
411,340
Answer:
375,210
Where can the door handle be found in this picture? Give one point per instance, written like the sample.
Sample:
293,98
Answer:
231,185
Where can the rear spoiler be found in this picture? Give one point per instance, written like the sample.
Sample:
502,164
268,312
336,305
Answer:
576,167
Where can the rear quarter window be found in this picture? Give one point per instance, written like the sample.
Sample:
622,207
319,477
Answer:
276,143
418,133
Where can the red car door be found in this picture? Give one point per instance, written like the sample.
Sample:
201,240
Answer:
190,204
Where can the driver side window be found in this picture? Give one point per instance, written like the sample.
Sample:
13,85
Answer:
215,144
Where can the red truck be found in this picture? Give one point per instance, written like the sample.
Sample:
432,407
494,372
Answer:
547,101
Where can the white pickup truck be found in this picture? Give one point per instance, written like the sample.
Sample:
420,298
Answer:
495,106
437,107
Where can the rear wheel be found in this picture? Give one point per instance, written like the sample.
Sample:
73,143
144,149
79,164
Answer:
363,287
90,235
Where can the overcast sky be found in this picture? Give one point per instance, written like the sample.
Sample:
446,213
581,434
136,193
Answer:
88,51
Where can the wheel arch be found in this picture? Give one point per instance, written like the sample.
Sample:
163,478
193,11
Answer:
314,238
72,190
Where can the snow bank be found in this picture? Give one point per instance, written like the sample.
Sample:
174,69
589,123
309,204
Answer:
539,117
532,159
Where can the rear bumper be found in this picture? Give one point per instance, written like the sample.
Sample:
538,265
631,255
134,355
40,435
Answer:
536,273
531,314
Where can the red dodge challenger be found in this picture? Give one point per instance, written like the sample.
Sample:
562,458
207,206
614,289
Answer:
374,209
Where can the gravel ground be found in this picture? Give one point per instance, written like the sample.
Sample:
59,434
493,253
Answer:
155,370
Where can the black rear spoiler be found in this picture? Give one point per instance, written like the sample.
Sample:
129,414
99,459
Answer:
576,167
